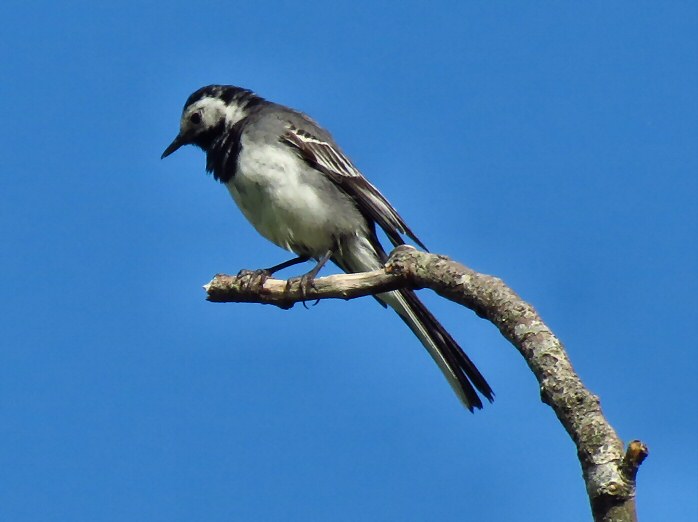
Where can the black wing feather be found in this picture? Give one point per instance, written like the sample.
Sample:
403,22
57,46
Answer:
326,157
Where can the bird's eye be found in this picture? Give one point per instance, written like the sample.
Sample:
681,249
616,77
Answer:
195,118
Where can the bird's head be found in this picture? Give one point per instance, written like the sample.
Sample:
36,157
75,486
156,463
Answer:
209,112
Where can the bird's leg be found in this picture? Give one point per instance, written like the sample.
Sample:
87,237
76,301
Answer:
254,279
307,281
286,264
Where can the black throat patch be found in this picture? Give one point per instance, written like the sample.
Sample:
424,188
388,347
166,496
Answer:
222,155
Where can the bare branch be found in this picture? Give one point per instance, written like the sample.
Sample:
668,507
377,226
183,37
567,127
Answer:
250,288
609,472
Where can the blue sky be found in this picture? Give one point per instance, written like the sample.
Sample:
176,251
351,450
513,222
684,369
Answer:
553,145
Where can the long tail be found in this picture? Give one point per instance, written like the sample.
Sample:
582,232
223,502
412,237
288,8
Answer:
459,370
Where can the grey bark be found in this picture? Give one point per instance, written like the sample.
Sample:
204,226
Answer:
608,469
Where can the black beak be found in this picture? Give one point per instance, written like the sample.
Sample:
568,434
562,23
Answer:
176,143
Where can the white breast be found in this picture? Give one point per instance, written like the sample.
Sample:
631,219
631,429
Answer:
289,203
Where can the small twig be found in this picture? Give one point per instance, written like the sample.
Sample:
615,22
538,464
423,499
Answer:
635,455
237,289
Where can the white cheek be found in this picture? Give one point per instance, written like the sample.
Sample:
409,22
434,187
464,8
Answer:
233,114
211,117
213,111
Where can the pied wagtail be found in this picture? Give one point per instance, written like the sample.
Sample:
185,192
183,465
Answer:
302,193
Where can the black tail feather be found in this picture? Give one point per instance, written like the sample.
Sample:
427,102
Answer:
457,364
461,365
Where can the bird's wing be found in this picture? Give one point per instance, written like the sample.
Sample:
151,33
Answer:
325,157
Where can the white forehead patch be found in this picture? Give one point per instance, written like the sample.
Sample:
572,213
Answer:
212,111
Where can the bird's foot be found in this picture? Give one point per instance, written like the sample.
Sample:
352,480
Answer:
306,284
253,280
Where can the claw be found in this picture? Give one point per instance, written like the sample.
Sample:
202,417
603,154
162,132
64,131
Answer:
253,280
306,284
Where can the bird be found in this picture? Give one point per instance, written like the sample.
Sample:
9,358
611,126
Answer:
300,191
